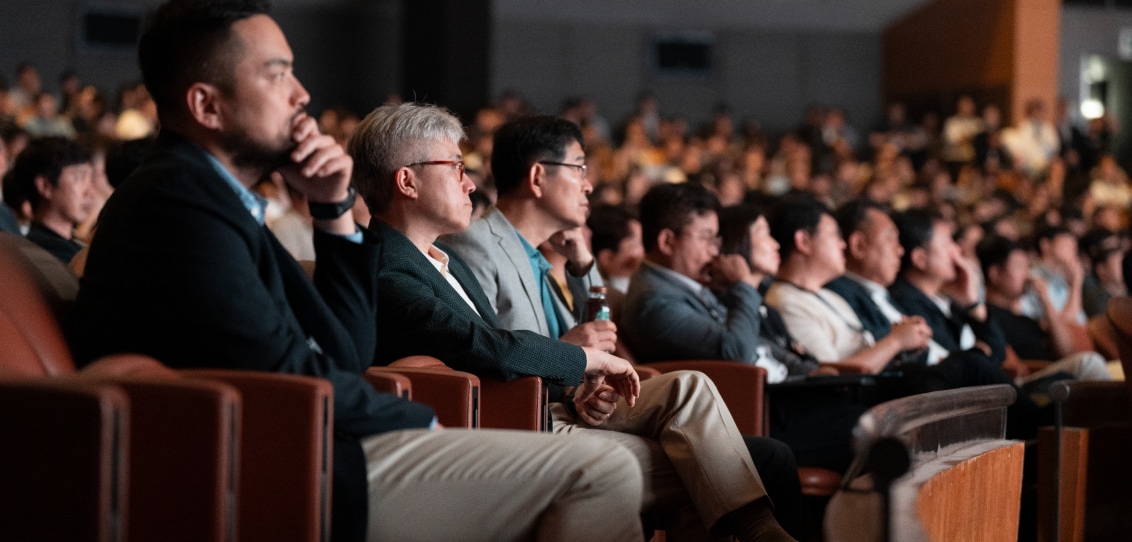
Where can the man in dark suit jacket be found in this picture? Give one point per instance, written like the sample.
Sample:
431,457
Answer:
938,284
670,311
183,269
409,168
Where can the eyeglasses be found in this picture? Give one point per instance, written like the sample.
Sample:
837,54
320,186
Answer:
458,164
705,237
580,167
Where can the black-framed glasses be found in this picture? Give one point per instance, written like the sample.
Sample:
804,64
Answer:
580,167
704,237
458,164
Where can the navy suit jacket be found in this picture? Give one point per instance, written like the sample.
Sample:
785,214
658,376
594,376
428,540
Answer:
858,297
421,314
946,329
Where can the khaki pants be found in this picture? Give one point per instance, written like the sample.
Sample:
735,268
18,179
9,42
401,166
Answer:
696,466
455,484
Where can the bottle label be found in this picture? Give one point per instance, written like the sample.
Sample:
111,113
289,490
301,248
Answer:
602,313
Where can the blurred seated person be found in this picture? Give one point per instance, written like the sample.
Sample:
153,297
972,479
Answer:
1105,251
873,258
47,122
1007,268
615,240
1059,266
671,310
817,422
812,254
938,284
294,227
56,176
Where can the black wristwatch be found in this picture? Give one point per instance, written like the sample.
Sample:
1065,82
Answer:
966,309
330,211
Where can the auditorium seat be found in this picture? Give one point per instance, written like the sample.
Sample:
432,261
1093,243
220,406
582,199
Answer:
71,484
934,466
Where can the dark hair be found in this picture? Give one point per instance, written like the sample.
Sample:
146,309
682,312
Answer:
735,229
609,225
798,211
1048,231
190,41
1126,265
520,143
916,229
855,213
1098,244
671,207
123,158
993,251
43,157
26,66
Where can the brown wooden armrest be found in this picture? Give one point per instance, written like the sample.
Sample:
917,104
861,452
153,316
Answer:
516,404
184,437
741,386
818,482
71,484
646,372
286,454
846,369
391,383
454,395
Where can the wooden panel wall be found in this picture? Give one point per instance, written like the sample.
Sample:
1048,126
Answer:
1000,51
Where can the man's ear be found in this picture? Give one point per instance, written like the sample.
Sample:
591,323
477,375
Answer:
802,243
202,101
855,245
535,180
666,242
406,183
44,187
919,258
994,272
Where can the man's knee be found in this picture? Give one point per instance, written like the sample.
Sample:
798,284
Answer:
603,460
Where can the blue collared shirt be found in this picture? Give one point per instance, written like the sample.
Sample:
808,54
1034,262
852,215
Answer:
255,203
541,268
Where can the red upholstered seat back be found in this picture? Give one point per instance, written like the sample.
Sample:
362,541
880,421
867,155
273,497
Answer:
31,342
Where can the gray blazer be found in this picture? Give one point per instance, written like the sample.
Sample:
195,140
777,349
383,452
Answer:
492,250
663,319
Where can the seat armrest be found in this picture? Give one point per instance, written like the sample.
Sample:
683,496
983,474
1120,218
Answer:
391,383
184,438
71,484
454,395
741,386
516,404
286,453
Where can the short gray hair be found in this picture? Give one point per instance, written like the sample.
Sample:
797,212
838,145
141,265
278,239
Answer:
390,138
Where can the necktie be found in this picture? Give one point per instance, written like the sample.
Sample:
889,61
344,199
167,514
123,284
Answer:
553,325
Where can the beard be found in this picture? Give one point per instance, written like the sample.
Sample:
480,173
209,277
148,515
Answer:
262,156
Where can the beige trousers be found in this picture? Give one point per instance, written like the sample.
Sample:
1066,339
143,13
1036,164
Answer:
689,449
469,485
